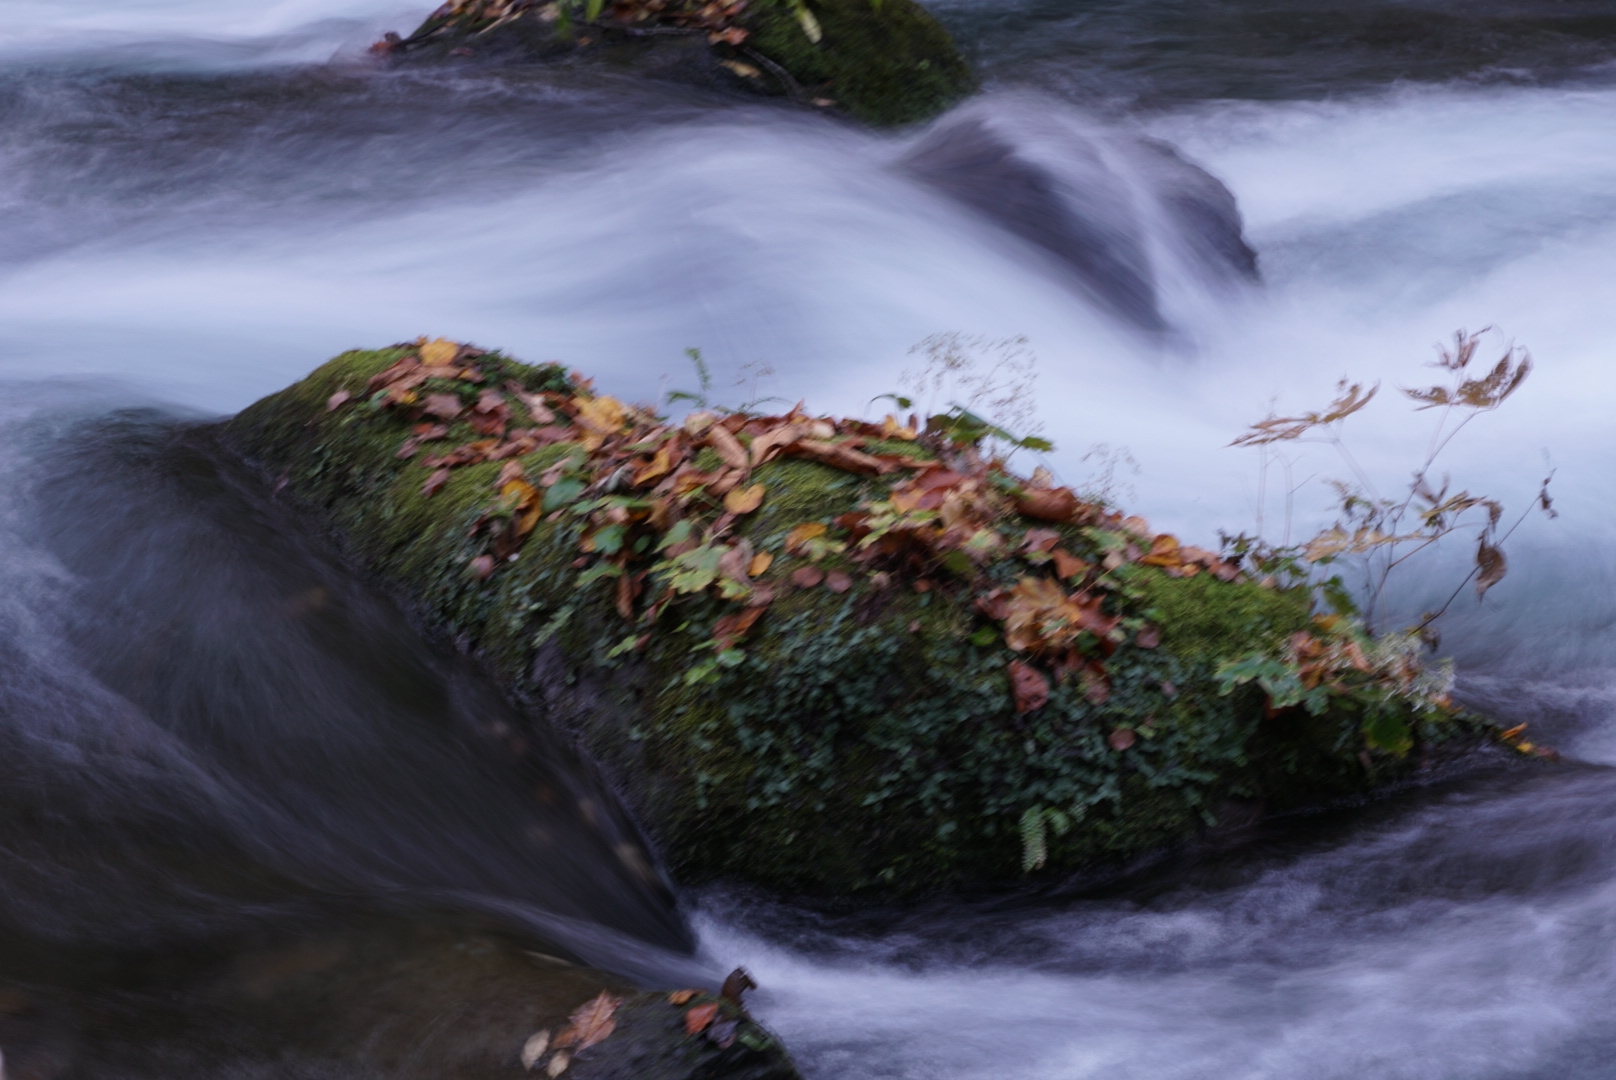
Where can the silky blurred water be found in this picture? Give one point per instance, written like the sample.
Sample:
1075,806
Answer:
199,202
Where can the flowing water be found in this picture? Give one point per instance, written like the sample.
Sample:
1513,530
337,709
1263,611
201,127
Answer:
216,742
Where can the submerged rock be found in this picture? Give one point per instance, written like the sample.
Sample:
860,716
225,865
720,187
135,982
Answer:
833,658
881,61
1115,212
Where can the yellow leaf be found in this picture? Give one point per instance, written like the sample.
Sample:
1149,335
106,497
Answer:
534,1048
438,353
558,1064
660,466
804,533
760,565
602,415
744,500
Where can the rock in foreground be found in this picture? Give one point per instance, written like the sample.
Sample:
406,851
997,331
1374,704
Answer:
830,657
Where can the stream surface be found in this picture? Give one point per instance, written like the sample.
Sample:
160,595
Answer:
241,793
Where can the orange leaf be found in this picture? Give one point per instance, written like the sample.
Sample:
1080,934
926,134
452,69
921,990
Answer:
770,444
698,1018
1050,504
661,465
1068,565
1163,552
744,500
680,997
760,564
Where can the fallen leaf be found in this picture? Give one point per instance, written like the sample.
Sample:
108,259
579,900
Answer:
482,567
726,481
733,35
435,482
439,352
807,576
1148,637
1051,504
446,406
838,582
661,465
1040,540
558,1064
760,564
769,445
745,71
698,1018
680,997
797,537
1068,565
839,456
335,401
728,448
590,1022
1120,739
1163,552
744,500
534,1048
1028,687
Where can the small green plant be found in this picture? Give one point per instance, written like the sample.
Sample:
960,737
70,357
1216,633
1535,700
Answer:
704,379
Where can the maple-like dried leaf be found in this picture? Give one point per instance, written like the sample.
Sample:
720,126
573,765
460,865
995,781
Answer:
741,500
591,1022
439,352
1028,687
698,1017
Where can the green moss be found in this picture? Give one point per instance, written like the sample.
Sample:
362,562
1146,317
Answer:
1202,617
888,64
857,743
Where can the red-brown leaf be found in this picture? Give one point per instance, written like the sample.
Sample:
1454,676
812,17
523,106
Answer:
698,1017
435,482
592,1022
1028,687
807,576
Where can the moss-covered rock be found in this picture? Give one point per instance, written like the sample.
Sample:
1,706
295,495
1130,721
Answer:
884,62
862,733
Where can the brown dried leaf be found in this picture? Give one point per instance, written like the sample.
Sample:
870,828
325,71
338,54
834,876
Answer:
840,456
1492,567
728,448
770,444
1120,739
1047,504
838,582
760,564
680,997
807,576
446,406
435,482
1068,565
335,401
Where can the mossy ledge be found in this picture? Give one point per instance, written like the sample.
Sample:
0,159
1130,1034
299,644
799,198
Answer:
884,62
866,742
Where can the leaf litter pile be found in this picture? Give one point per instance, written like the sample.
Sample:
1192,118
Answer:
661,501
